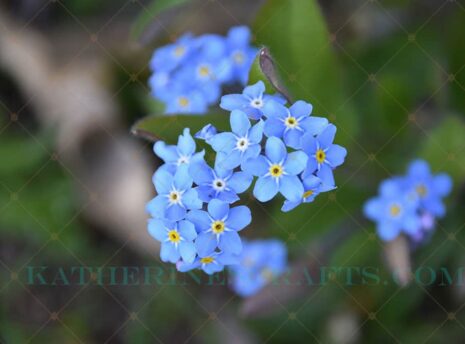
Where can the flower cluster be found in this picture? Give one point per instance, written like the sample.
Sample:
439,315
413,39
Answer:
409,204
288,150
261,261
189,73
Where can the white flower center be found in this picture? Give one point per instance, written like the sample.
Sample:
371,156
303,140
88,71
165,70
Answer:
291,122
183,159
174,197
242,144
238,57
256,103
219,184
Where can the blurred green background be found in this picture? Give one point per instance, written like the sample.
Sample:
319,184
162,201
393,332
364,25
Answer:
73,181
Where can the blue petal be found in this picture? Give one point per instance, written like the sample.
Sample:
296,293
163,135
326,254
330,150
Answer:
265,189
157,229
191,199
187,230
239,218
205,244
218,209
442,184
252,152
273,109
223,142
295,163
156,207
228,196
311,182
232,102
274,127
205,193
163,181
240,181
336,155
390,187
301,108
436,207
230,160
200,219
185,267
182,179
165,152
309,144
374,209
288,205
291,187
200,172
240,123
275,150
175,212
210,269
314,125
411,224
169,253
293,138
255,91
326,138
419,168
239,36
326,175
258,166
228,259
256,132
187,251
387,231
230,242
186,144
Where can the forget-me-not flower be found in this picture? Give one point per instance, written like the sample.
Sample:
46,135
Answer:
209,261
323,155
206,133
176,239
241,53
169,57
277,172
219,226
291,124
239,145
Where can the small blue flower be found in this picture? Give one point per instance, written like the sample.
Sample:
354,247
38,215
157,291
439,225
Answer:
430,189
251,101
277,172
175,195
209,262
239,145
206,133
169,57
241,52
186,102
313,186
181,154
393,211
218,183
323,155
176,239
261,261
219,226
291,124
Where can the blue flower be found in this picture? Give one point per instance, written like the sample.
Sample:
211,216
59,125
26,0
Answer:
219,226
185,102
181,154
251,101
175,195
277,172
206,133
209,262
430,189
239,145
291,124
218,183
393,210
323,155
240,52
169,57
261,261
176,239
313,186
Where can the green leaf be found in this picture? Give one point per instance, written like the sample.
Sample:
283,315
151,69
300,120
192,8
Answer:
444,149
168,128
295,32
150,13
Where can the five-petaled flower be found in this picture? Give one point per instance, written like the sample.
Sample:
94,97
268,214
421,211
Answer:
209,261
218,227
277,171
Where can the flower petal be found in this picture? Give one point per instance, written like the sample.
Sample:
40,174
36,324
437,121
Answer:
291,187
218,209
275,150
205,244
187,251
314,125
157,229
229,161
326,175
293,138
169,253
239,218
336,155
288,205
273,109
191,199
265,189
295,163
230,242
257,166
301,108
200,219
255,91
326,138
165,152
156,207
419,168
187,230
186,144
274,127
163,181
256,132
387,231
182,178
200,172
240,123
240,181
442,184
232,102
223,142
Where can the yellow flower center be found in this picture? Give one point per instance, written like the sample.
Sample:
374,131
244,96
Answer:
421,190
174,236
179,51
308,193
204,71
207,260
320,156
394,210
291,122
183,101
218,227
174,197
276,170
238,57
